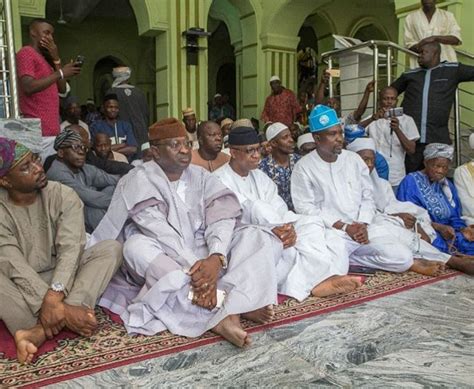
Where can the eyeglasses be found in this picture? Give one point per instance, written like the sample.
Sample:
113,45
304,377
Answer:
29,167
77,148
176,145
250,150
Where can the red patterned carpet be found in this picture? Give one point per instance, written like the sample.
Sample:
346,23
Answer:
70,356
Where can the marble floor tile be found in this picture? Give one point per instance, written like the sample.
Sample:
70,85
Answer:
422,337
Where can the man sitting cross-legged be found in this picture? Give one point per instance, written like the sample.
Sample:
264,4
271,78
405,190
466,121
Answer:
413,222
47,280
335,185
184,249
314,261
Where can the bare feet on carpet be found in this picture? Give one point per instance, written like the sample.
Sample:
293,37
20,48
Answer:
262,316
336,285
27,343
80,320
427,268
231,330
464,263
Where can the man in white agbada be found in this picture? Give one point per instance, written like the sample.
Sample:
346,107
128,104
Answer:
314,261
184,249
335,185
431,24
464,181
413,223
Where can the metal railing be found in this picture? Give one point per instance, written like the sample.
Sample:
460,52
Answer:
388,60
9,90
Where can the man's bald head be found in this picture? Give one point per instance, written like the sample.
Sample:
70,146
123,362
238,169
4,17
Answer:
429,55
81,131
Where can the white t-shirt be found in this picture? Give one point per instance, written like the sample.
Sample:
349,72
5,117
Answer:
380,132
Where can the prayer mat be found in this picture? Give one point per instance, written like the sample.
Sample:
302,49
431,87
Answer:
69,356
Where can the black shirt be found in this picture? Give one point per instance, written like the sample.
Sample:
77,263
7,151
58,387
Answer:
429,96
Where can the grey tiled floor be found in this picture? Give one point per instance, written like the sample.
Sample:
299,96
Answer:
423,337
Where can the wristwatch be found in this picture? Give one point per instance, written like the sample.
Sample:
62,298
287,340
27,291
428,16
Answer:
223,260
57,287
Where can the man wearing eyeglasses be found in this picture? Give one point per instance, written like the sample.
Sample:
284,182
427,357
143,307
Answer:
193,266
47,280
94,186
313,261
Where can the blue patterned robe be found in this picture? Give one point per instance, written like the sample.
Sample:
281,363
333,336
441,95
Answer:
417,188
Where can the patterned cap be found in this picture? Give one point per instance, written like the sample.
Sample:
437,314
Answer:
66,139
322,118
11,154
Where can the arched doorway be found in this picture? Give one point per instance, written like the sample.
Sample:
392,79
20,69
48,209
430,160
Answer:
307,52
102,78
370,31
221,63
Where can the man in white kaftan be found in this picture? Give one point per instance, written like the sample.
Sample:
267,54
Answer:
180,215
318,254
335,185
409,224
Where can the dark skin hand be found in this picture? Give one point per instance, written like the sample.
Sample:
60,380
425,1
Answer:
408,219
52,313
447,232
204,275
358,232
287,234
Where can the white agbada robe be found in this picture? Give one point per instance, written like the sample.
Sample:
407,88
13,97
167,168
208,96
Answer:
464,182
442,22
342,191
318,254
388,205
168,226
388,144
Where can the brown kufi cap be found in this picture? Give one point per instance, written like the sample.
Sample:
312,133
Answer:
166,129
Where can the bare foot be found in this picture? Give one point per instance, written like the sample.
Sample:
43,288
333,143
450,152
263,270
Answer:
262,316
427,268
80,319
336,285
231,330
27,343
464,263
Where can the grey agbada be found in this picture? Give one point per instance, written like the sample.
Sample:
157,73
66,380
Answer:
167,226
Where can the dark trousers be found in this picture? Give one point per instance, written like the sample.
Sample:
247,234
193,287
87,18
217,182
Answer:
414,162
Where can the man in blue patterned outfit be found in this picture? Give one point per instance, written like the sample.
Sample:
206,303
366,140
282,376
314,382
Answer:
279,164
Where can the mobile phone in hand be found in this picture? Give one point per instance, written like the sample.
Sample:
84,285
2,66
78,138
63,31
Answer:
79,61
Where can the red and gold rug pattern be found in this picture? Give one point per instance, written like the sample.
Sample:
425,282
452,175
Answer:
70,356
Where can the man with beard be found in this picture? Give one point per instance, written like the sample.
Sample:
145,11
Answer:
94,186
281,161
41,77
334,184
47,281
190,265
209,155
